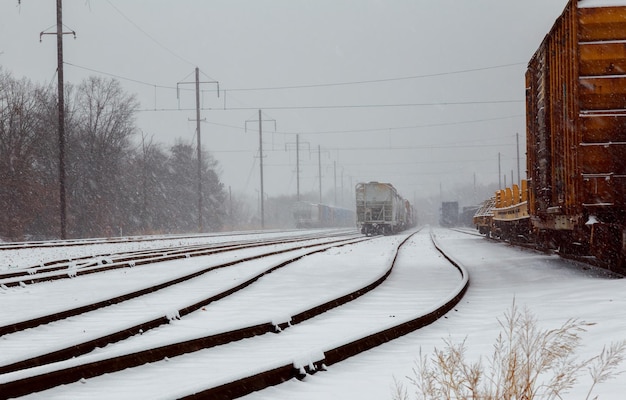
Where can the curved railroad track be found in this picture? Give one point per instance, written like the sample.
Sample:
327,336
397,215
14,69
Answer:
23,381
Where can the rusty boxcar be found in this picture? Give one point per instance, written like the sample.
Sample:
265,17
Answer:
576,131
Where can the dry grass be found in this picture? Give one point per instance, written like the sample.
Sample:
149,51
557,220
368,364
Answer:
527,364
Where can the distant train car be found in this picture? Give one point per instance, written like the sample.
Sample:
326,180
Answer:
410,215
381,210
483,218
449,215
466,216
510,213
505,216
312,215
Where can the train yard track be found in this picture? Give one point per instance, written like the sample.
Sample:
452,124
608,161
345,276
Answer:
72,266
307,315
114,240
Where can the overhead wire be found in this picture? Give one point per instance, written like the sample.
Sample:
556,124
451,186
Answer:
378,80
148,35
320,107
339,106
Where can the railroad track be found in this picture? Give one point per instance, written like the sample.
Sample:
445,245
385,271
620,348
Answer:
171,348
70,268
145,324
119,240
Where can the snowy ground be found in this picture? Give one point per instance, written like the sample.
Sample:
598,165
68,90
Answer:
553,289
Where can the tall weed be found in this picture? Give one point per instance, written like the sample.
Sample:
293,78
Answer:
527,363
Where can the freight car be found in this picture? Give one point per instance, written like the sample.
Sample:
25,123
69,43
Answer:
381,210
312,215
576,134
449,214
505,216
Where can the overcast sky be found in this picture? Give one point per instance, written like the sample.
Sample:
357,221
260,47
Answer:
423,94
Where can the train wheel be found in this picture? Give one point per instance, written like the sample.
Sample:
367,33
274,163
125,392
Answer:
606,244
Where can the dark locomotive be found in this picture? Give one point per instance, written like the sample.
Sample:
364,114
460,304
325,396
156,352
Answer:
575,139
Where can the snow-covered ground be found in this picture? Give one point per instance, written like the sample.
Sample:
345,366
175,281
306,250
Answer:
553,289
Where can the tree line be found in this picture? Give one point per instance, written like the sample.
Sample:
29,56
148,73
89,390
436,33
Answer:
115,184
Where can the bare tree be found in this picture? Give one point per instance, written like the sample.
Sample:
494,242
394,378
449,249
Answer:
99,149
21,190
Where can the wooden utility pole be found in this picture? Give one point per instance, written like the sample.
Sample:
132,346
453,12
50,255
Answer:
197,83
261,164
335,175
260,121
298,166
319,167
61,105
519,180
499,174
287,145
200,227
61,115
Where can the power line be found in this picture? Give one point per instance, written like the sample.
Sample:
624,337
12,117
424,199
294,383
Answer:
121,77
389,148
321,107
379,80
405,127
340,106
301,86
424,147
388,129
149,36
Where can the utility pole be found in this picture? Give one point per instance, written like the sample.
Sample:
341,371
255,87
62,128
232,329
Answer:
343,203
198,140
260,120
319,168
61,105
297,162
499,174
230,213
200,227
319,163
261,164
335,174
61,116
298,166
519,181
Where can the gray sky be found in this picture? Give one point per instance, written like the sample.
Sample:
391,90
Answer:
419,93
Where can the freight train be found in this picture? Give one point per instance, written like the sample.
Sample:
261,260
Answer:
574,200
381,210
449,214
312,215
